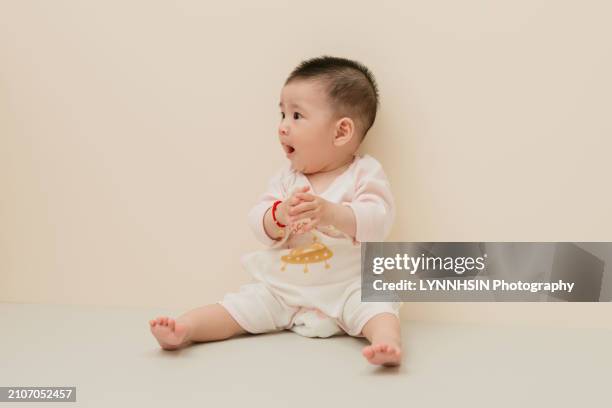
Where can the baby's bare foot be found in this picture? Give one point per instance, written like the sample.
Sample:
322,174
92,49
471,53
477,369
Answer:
170,334
386,353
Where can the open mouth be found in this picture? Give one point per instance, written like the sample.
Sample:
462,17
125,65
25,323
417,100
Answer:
288,149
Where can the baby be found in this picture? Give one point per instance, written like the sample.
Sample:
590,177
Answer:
317,210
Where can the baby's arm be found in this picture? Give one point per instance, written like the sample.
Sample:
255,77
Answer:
272,230
260,216
373,205
342,218
367,217
324,212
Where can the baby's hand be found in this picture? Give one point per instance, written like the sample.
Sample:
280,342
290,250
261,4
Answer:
283,209
311,211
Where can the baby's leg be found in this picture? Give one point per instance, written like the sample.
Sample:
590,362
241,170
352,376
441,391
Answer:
206,323
381,327
383,331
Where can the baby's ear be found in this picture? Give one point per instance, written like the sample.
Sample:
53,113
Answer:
345,130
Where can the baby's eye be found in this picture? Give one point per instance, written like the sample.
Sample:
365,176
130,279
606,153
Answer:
295,115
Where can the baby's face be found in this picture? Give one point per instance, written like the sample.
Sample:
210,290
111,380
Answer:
307,127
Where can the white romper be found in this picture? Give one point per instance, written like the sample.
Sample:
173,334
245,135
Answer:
311,282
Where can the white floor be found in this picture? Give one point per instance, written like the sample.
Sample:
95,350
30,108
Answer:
112,359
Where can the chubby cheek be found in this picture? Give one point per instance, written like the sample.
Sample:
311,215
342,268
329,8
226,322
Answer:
310,148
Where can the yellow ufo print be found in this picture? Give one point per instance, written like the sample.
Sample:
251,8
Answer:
313,253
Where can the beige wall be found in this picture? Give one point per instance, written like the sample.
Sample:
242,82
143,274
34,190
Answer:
135,136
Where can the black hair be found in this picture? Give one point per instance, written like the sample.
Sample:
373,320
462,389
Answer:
351,87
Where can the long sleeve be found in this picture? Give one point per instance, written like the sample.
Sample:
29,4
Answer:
373,203
275,191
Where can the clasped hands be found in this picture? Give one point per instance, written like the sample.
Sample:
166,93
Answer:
303,211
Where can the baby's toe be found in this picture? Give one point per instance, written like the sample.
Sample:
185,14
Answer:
368,352
171,323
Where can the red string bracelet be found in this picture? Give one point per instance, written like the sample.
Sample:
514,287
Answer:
276,203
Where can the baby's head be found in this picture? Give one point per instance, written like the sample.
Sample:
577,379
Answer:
327,105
